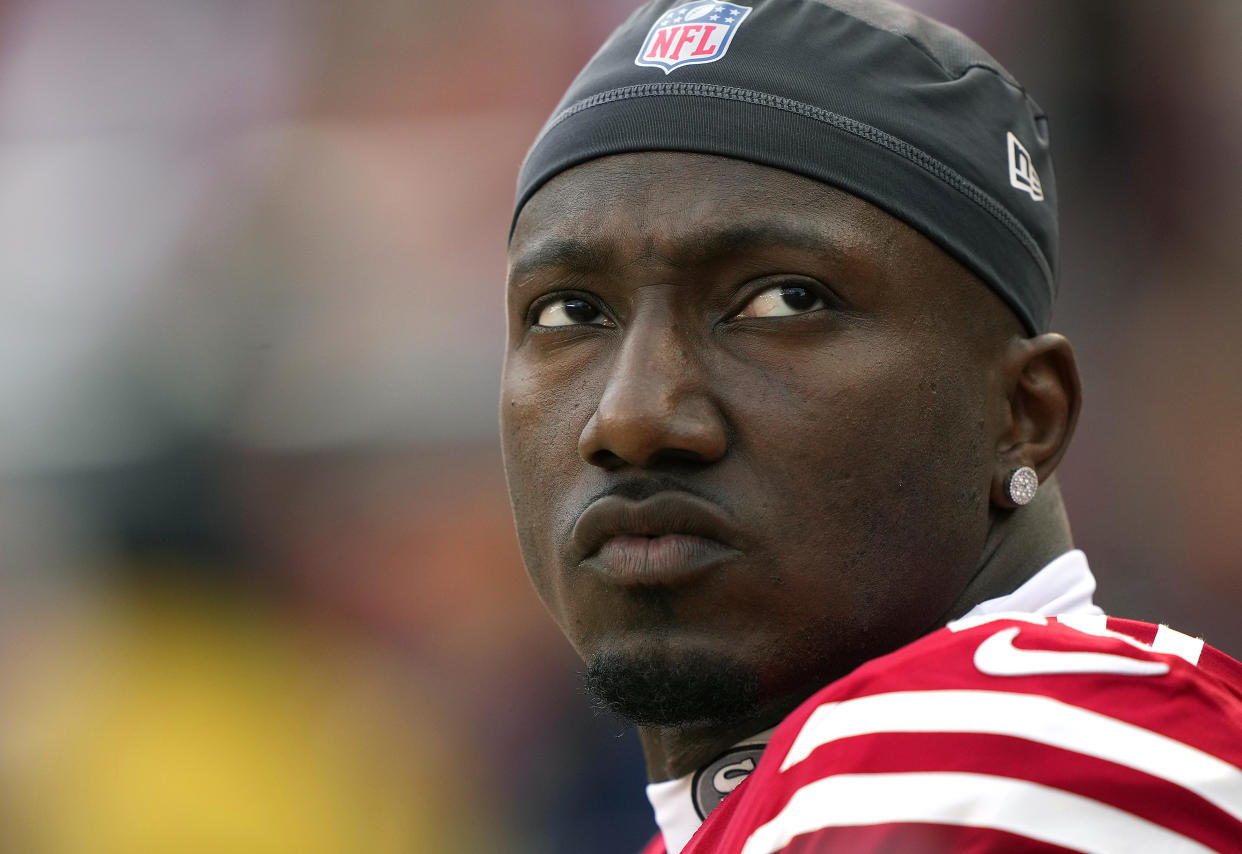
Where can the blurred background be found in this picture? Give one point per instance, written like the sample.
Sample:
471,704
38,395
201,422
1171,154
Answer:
259,591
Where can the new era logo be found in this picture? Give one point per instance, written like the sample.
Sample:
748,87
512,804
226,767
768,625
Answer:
691,34
1022,174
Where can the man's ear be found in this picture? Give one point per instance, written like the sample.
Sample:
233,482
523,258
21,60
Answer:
1044,395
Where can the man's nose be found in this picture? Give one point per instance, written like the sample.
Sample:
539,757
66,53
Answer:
657,405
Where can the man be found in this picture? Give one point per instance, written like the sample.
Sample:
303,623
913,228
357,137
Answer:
780,402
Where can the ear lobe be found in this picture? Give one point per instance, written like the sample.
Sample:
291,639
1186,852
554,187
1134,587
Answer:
1044,397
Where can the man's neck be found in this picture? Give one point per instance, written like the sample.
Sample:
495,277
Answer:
1019,544
674,752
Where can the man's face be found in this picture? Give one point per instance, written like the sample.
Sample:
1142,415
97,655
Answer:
747,423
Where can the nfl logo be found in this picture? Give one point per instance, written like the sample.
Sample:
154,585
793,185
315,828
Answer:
691,34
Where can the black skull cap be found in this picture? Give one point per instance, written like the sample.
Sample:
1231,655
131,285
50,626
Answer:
864,95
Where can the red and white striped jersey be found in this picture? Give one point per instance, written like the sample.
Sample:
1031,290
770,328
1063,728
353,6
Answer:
1008,733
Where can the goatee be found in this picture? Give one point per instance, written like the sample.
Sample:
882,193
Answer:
658,689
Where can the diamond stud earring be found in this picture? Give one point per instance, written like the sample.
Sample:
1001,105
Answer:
1021,485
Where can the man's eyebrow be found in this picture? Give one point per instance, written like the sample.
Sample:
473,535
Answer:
575,255
566,253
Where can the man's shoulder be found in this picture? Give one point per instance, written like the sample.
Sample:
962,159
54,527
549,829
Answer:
1071,658
1008,674
1073,733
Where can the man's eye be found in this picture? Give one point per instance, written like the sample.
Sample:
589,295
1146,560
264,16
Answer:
571,311
782,301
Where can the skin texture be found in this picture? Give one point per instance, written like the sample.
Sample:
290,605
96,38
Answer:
854,439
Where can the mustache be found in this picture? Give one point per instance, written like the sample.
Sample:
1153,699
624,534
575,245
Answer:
642,488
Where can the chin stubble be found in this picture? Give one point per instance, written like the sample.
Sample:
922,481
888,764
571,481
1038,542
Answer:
659,689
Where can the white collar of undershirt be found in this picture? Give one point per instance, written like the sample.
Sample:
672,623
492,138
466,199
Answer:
1064,586
672,801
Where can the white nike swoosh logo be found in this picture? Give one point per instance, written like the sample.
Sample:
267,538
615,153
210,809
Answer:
997,656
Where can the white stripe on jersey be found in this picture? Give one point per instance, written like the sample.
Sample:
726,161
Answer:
1174,642
1028,716
971,800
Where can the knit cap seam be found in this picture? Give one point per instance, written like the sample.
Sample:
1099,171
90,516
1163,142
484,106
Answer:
863,130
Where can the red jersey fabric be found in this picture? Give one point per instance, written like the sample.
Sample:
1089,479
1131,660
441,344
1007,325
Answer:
1014,734
655,846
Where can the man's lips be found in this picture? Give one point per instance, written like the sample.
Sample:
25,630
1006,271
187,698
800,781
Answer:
669,537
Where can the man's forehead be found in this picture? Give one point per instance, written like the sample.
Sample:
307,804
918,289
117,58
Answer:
604,249
692,205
